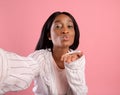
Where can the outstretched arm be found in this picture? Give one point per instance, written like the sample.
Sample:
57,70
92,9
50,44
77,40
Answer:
16,72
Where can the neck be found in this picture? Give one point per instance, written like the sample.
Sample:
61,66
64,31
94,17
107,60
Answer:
57,54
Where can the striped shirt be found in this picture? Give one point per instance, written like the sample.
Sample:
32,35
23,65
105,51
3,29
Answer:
17,73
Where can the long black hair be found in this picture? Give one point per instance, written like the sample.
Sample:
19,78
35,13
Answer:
45,43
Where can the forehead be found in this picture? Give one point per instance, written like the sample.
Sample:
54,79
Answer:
62,18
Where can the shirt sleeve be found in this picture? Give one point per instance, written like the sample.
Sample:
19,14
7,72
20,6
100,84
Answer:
76,76
40,87
16,72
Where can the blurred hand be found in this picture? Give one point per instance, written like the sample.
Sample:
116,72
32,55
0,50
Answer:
71,56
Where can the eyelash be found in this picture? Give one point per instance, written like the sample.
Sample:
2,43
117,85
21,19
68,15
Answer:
59,26
70,26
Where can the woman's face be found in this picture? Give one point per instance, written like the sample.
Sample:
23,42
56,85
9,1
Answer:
62,31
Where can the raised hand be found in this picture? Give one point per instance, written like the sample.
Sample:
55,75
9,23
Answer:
71,56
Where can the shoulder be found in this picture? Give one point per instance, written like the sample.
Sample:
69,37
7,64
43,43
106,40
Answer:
39,53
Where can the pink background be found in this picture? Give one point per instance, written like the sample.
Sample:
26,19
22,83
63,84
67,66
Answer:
99,21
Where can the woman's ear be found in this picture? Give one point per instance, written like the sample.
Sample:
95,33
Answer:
49,37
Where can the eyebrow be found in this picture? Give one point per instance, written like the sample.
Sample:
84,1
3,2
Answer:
56,21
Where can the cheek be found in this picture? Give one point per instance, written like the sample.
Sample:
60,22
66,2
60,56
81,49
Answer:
54,36
72,35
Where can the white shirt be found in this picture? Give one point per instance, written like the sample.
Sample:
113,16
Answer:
60,79
17,72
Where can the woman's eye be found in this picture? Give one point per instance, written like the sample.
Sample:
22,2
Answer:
58,26
70,26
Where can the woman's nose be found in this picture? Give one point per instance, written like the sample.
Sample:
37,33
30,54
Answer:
65,30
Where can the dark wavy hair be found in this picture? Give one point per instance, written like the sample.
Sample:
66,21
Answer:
45,43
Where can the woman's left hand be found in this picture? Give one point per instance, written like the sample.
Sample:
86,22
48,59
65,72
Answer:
71,56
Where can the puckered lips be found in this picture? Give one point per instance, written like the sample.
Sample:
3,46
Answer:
65,37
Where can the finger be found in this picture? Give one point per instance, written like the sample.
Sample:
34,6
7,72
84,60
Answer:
74,57
74,54
64,57
80,54
68,59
